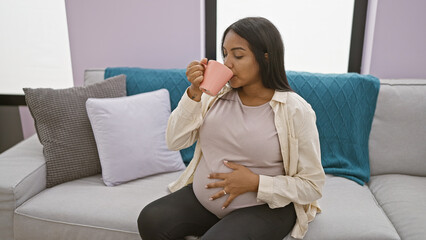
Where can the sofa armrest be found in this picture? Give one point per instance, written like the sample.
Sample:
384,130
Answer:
22,175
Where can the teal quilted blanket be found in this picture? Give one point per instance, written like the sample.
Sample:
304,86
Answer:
344,105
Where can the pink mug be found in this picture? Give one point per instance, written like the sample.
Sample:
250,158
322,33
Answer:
216,76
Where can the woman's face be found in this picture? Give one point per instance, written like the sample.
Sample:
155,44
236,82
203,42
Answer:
240,59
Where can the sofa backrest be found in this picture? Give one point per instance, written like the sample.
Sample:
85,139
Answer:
93,76
397,141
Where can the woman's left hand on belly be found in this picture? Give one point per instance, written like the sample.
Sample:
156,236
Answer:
235,183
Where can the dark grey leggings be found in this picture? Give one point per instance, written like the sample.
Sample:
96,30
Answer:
180,214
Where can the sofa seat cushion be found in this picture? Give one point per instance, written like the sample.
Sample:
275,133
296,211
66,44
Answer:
349,211
87,209
403,198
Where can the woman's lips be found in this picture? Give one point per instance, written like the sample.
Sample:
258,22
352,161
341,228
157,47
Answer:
232,80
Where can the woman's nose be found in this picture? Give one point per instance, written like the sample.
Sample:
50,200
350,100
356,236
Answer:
227,62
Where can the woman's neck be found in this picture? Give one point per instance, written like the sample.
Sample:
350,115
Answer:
255,95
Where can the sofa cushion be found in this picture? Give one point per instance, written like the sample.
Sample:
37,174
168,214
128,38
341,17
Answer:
403,199
344,105
130,134
140,80
83,209
64,129
398,133
86,209
350,211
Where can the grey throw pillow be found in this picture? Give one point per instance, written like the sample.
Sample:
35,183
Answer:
64,129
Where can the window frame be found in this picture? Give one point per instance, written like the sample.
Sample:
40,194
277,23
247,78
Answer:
355,52
357,34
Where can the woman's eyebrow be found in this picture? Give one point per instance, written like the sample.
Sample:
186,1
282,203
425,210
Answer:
237,48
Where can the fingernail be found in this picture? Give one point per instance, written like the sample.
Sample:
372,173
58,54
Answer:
210,199
223,208
208,176
225,161
206,186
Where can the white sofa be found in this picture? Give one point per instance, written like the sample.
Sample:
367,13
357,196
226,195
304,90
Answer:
391,206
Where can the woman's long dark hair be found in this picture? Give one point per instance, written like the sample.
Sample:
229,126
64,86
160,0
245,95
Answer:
263,37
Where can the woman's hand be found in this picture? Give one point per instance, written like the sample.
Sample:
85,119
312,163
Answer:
235,183
195,75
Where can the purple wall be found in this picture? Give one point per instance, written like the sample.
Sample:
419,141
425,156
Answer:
395,40
130,33
134,33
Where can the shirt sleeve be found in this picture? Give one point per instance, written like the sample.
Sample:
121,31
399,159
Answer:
304,184
183,124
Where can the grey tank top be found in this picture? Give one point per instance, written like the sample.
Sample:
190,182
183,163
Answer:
241,134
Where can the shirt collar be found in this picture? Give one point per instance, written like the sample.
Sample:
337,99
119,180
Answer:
224,90
279,96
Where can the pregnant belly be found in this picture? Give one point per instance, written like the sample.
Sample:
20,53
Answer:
215,206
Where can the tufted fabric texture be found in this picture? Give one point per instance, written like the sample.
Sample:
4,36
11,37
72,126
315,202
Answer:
141,80
344,105
64,129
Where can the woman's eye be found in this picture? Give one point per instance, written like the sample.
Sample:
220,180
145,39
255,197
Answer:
238,57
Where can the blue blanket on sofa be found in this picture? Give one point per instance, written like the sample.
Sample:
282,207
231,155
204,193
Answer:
344,105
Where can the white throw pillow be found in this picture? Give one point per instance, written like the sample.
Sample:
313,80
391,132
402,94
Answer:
130,134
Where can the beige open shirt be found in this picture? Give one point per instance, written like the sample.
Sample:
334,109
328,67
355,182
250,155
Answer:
300,149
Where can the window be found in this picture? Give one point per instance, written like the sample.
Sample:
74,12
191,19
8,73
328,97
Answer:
319,36
34,47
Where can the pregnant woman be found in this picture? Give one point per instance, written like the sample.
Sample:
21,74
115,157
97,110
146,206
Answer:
256,171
